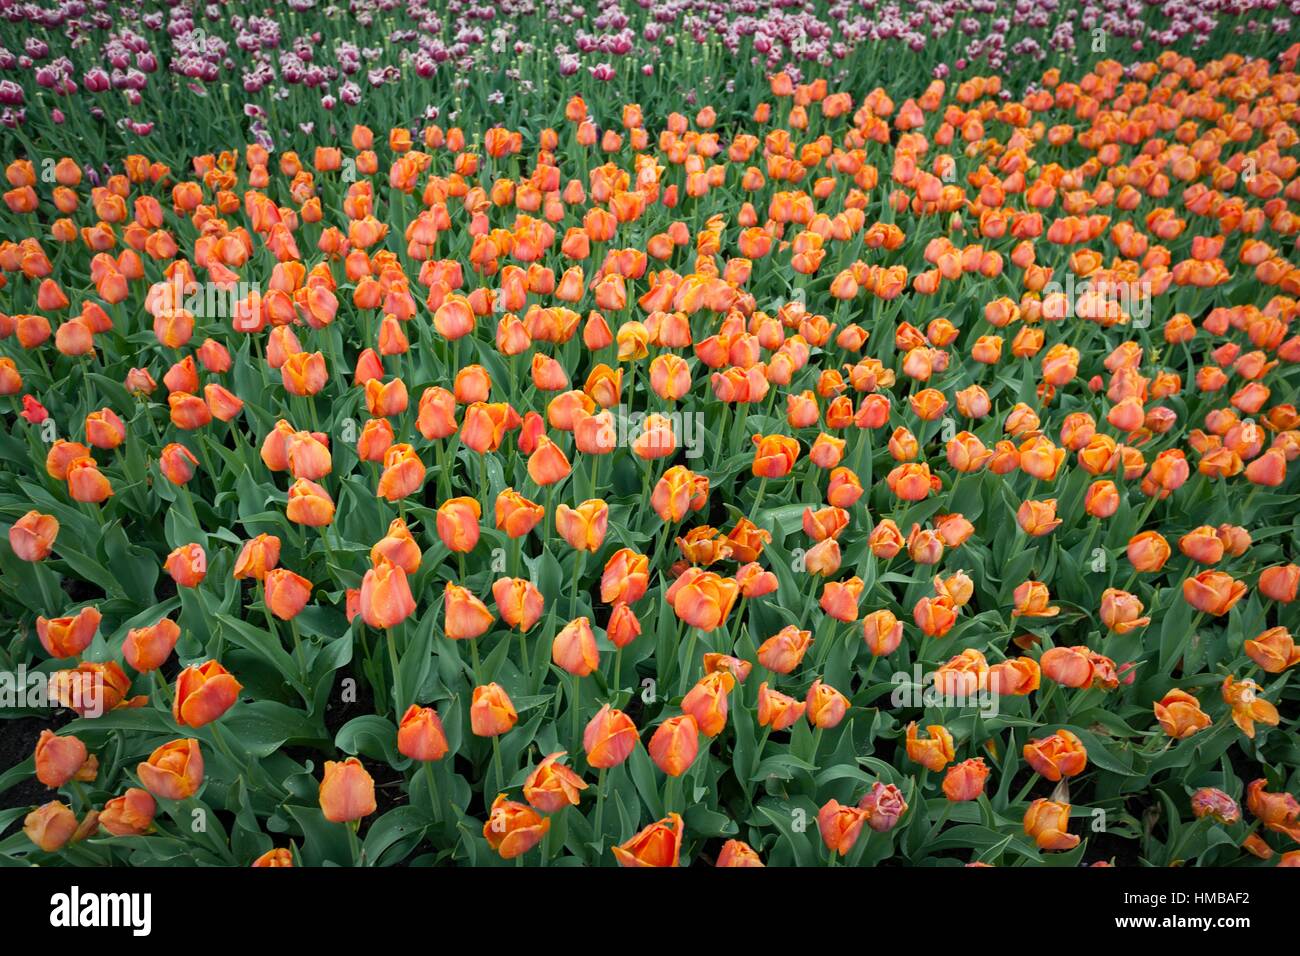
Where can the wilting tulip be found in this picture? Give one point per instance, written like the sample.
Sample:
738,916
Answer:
347,791
659,844
840,826
131,814
1048,823
174,771
1209,802
1060,755
32,536
203,694
884,806
60,759
552,786
491,711
1180,714
609,738
1248,707
514,828
1279,812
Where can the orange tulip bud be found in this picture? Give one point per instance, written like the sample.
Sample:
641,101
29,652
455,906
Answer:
420,735
609,738
491,712
347,791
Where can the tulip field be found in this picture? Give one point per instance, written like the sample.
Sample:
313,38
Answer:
650,434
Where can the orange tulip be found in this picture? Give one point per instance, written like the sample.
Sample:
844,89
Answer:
1180,714
1060,755
659,844
774,455
609,738
491,711
965,781
131,814
147,648
514,828
574,648
464,616
420,735
934,752
1213,592
516,515
583,527
458,524
286,593
68,636
203,694
60,759
552,786
51,826
32,536
386,599
840,826
1048,823
518,601
675,744
174,771
347,791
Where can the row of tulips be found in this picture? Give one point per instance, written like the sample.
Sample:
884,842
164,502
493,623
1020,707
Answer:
659,495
